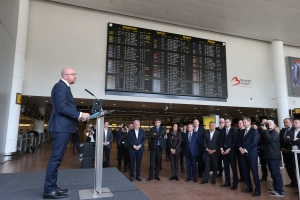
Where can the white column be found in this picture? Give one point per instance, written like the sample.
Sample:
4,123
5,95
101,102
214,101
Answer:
280,81
39,124
17,77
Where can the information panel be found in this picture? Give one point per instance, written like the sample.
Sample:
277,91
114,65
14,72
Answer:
148,61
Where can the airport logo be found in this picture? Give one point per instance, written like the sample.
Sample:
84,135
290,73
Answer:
236,81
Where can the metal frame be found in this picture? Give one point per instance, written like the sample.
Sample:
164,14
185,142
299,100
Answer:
297,167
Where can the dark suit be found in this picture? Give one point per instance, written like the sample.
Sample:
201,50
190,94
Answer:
106,149
220,166
249,160
212,144
63,122
229,141
136,155
287,157
181,157
157,144
191,151
201,157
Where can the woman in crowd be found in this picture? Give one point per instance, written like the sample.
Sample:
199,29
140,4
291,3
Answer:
174,143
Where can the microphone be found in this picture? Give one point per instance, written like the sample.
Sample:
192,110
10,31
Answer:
91,93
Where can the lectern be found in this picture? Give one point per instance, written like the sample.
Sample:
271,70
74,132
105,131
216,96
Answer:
98,191
297,167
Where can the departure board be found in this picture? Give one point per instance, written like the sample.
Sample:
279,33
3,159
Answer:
156,62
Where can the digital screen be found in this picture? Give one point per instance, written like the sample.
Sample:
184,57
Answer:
156,62
293,76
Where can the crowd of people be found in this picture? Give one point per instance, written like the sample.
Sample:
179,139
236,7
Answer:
233,148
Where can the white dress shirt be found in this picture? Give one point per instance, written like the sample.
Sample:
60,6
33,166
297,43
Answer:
137,133
105,135
211,134
295,147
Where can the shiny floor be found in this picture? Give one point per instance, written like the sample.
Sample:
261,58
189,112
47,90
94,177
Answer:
154,189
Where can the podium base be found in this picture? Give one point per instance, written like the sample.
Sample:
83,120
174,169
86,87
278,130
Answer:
91,194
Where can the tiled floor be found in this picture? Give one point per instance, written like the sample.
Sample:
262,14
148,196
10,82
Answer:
154,189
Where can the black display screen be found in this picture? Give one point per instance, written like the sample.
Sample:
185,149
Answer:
155,62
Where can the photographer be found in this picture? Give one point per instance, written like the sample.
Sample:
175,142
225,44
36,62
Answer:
272,154
123,145
261,153
91,136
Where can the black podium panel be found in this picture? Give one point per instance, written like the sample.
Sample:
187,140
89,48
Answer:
89,149
88,162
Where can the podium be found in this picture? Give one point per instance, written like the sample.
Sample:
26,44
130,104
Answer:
297,167
98,191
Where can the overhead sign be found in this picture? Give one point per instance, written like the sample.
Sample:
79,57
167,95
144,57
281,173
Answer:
19,98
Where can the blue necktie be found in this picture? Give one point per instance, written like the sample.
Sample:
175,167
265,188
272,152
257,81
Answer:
287,130
157,129
190,137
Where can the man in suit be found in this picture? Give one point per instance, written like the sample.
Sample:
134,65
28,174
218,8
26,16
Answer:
261,153
107,140
200,130
181,158
247,140
228,150
192,143
238,155
221,126
136,138
285,149
63,122
212,142
157,145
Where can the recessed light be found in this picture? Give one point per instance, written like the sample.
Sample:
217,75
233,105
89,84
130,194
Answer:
114,104
46,101
238,109
195,108
241,112
82,102
144,105
218,109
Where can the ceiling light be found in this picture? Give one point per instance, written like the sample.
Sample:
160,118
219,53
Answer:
238,109
218,109
195,108
82,102
144,105
241,112
114,104
46,101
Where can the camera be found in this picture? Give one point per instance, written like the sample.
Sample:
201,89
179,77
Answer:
124,126
266,124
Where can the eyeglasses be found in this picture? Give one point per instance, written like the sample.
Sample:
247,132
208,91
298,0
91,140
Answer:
74,74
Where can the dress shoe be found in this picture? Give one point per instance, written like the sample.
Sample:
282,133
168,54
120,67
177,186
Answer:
234,187
54,195
157,178
131,179
61,190
256,194
195,180
149,179
263,179
172,178
119,168
225,185
203,182
213,182
201,176
247,190
138,179
187,180
291,185
176,178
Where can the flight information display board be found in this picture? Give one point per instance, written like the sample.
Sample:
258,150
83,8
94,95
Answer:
155,62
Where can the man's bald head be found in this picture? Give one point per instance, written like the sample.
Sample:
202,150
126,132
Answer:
69,75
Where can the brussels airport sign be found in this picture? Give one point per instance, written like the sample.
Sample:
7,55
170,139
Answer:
236,81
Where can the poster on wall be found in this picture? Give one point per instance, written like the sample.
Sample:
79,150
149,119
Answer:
293,76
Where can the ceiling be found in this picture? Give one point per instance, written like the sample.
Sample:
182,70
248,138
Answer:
127,111
265,20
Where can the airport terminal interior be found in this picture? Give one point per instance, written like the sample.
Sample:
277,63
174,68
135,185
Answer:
173,60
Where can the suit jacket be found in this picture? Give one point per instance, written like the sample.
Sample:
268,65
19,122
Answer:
157,136
214,143
290,140
283,144
201,132
88,139
174,141
249,142
136,141
230,141
64,115
192,147
109,136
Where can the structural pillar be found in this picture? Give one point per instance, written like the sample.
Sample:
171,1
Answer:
39,124
280,82
17,77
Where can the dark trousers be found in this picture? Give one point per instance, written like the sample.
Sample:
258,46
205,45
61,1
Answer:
191,168
175,163
201,164
250,163
230,159
123,153
289,166
155,160
274,168
211,161
220,167
135,156
181,158
77,146
59,145
106,150
240,165
263,163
